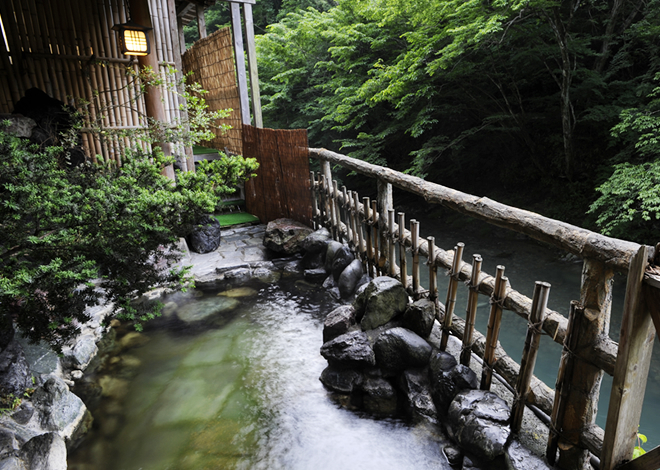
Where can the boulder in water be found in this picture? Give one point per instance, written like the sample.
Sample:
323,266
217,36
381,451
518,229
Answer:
399,348
349,350
349,278
285,236
205,309
383,299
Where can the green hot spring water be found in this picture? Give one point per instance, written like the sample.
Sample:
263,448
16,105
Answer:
238,390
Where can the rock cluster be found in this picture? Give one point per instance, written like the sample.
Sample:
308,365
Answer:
382,358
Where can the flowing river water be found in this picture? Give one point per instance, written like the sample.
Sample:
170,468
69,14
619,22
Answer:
243,391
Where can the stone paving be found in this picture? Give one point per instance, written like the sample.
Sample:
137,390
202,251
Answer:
238,247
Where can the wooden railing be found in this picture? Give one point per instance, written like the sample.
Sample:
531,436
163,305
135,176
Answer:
373,231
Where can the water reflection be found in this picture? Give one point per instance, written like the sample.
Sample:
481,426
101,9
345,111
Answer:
241,390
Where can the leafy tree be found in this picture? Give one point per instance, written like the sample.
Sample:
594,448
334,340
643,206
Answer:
73,236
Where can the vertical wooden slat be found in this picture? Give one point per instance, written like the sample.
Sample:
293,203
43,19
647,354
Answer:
414,231
375,235
391,243
347,220
452,290
357,226
530,352
494,321
368,232
471,312
433,273
631,370
237,32
402,250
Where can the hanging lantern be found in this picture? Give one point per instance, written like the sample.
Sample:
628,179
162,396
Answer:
133,39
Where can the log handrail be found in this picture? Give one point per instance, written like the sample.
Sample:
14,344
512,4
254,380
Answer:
573,239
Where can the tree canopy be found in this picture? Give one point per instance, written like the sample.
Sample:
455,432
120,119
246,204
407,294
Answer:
508,96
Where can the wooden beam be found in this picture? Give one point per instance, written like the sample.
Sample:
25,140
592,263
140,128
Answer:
252,65
237,33
581,242
648,461
631,370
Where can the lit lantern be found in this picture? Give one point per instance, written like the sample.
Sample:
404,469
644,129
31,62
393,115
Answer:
133,38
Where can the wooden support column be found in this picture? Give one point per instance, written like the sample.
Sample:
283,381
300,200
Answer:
239,52
152,97
252,65
585,380
385,204
631,369
402,250
201,22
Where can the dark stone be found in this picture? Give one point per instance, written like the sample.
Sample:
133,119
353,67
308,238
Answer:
464,378
343,257
418,403
383,299
349,278
313,261
379,397
349,350
439,362
446,385
453,454
285,236
317,276
419,317
330,251
329,282
23,413
6,331
205,237
15,374
341,380
518,457
338,322
316,242
479,421
399,348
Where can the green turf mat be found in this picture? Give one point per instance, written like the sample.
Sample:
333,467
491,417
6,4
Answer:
236,218
199,150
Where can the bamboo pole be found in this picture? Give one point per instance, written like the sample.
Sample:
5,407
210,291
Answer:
562,387
452,290
494,322
370,248
335,206
315,205
352,216
414,230
322,205
402,250
390,247
350,234
471,312
530,351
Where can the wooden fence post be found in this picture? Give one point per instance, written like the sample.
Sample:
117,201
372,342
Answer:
402,250
596,298
414,231
375,235
390,243
358,225
452,290
494,320
562,388
530,351
385,204
315,204
368,233
433,274
631,370
471,312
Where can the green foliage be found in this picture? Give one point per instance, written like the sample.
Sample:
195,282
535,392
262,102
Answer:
639,450
71,237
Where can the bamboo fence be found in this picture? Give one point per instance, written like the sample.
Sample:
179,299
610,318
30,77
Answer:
68,49
210,62
570,409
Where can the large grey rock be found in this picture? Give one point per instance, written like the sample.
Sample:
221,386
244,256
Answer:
82,352
439,362
349,278
45,452
343,257
316,276
399,348
349,350
419,317
285,236
61,411
15,374
446,385
206,236
380,397
479,422
518,457
418,403
21,126
341,380
313,261
316,242
338,322
383,299
332,248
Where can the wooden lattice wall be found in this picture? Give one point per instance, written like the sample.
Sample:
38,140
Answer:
211,64
67,49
